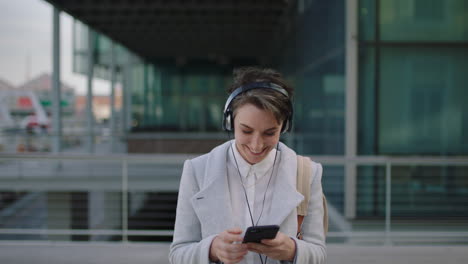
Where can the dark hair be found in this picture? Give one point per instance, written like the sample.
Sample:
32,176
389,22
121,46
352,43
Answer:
266,99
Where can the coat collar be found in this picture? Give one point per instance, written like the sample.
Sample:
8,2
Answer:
213,203
260,169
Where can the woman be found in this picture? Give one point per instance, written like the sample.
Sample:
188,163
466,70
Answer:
248,181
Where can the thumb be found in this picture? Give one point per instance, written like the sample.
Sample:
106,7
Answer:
235,230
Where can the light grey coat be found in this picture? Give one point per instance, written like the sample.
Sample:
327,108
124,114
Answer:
204,208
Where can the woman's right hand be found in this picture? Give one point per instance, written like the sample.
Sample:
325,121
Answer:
227,247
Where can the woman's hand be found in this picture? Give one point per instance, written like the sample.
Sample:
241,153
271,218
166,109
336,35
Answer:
281,247
227,247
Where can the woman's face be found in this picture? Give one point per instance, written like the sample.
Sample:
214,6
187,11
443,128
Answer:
256,132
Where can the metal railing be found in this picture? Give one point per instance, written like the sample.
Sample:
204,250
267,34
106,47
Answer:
19,182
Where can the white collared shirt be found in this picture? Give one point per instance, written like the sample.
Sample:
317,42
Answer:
255,180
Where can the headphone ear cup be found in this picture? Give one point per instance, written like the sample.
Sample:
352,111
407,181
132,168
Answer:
287,125
227,124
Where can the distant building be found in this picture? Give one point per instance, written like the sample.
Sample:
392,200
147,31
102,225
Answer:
42,87
5,86
5,117
101,105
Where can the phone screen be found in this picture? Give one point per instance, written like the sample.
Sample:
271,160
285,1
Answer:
257,233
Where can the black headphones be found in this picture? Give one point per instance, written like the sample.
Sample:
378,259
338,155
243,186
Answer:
228,124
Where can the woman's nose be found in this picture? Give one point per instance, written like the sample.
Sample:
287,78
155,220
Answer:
257,143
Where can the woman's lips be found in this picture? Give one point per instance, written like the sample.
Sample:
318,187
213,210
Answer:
257,153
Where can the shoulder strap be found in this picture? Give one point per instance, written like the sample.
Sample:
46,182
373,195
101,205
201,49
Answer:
304,172
305,169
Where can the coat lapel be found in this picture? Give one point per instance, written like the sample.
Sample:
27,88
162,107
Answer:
212,203
286,197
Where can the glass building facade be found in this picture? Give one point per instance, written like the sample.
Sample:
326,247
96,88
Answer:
412,75
314,60
187,98
414,60
412,91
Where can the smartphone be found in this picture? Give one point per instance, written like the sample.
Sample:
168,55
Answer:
257,233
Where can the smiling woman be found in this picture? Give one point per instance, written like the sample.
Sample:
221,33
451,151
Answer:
249,181
257,132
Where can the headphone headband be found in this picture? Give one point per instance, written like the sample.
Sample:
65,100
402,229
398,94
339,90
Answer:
228,118
251,86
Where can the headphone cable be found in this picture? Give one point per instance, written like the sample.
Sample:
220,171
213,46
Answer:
264,194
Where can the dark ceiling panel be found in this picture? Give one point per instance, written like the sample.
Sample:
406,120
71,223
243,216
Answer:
186,28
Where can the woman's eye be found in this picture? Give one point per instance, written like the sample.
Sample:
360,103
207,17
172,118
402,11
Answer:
247,132
270,133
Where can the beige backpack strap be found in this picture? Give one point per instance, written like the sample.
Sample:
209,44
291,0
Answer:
303,183
325,215
304,172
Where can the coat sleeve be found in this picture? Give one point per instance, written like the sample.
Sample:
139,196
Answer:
188,245
312,248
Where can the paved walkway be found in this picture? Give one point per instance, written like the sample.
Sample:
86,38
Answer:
146,253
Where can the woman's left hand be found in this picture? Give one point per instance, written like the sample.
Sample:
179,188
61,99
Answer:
282,247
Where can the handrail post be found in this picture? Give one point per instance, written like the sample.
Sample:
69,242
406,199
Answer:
388,202
124,200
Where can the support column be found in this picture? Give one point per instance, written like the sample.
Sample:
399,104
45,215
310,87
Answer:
112,124
56,98
351,106
89,95
123,111
126,103
128,95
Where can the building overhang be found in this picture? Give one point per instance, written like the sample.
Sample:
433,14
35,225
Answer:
182,29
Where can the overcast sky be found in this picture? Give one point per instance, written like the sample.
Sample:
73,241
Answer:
26,35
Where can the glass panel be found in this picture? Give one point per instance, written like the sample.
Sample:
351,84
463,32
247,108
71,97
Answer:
333,187
423,20
422,101
137,89
190,98
430,191
102,49
417,191
80,47
314,62
370,201
367,102
367,18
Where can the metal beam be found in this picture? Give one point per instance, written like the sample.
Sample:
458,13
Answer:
351,38
56,98
112,123
176,7
89,95
128,94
